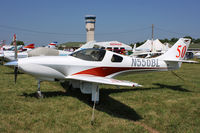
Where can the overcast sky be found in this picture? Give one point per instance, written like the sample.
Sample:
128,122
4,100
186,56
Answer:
128,21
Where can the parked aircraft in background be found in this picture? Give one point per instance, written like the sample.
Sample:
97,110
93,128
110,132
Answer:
8,47
1,55
109,45
30,50
149,49
9,55
197,55
52,45
30,46
146,54
86,69
114,46
45,51
49,50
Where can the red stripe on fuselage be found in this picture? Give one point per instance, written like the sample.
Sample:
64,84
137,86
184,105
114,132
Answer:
105,71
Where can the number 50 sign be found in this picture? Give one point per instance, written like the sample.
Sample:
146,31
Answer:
181,52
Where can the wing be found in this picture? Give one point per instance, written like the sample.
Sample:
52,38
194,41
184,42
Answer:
185,61
102,80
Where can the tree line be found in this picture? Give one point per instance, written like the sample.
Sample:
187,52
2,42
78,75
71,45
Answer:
18,43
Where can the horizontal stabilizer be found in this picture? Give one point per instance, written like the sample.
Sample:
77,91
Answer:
185,61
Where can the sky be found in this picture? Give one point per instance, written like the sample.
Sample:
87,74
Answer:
128,21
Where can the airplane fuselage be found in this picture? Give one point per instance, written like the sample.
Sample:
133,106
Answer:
57,68
86,69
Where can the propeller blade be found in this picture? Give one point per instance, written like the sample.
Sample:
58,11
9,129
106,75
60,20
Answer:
15,72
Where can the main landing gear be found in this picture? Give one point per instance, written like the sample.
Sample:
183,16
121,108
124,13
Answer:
96,95
39,93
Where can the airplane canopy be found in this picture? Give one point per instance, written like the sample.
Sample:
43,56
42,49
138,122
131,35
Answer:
90,54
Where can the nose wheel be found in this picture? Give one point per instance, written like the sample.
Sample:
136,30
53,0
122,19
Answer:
39,93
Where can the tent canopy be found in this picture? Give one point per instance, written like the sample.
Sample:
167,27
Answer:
156,46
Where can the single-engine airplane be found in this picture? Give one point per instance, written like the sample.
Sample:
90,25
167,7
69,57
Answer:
86,69
9,55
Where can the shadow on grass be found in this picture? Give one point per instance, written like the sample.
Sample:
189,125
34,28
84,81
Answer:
107,104
175,88
163,86
14,73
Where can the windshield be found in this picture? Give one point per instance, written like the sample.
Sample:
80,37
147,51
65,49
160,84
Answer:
90,54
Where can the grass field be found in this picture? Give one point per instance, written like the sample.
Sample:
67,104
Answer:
165,103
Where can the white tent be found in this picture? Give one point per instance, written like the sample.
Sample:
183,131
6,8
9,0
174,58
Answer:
156,46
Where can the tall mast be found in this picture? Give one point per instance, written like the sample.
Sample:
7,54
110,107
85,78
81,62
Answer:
15,44
152,49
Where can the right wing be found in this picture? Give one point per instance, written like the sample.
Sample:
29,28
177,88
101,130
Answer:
102,80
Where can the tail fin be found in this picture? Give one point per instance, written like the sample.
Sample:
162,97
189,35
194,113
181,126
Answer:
177,51
134,47
87,45
31,46
52,45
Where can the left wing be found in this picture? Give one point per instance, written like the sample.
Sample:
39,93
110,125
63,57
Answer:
102,80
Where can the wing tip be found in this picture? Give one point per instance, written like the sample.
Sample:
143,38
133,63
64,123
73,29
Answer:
136,85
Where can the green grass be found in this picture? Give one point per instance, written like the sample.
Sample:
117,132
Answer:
195,45
165,104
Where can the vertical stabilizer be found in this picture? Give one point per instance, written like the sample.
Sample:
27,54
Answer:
134,48
177,51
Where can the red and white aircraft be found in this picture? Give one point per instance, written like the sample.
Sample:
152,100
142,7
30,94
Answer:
86,69
9,55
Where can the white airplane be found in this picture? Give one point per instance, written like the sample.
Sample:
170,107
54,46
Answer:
8,47
146,52
1,55
49,50
86,69
109,45
45,51
52,45
197,55
10,54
